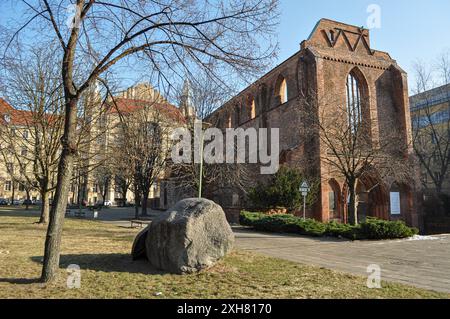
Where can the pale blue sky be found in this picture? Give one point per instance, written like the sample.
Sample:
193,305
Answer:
410,29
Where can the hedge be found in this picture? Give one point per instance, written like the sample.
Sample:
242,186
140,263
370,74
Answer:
371,229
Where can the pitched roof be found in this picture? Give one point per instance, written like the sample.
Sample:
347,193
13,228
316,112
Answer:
127,106
5,106
10,115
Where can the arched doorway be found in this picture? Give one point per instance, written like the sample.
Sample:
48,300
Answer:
335,210
372,200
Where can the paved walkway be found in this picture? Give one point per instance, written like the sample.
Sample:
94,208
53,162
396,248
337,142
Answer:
421,263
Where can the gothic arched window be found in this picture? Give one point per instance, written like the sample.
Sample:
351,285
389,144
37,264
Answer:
353,102
283,91
252,108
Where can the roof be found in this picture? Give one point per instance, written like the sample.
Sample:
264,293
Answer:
5,106
316,45
12,116
430,98
127,106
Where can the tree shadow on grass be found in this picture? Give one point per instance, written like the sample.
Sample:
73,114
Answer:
97,262
20,281
106,263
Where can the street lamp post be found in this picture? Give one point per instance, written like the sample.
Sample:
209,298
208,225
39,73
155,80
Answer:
202,142
304,190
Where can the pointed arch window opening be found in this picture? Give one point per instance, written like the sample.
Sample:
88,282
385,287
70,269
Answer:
252,109
353,103
283,91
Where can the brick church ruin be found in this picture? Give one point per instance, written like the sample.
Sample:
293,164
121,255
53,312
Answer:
336,61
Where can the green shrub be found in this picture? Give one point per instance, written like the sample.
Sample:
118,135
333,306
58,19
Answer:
248,218
276,224
282,190
343,230
311,227
382,229
371,229
288,224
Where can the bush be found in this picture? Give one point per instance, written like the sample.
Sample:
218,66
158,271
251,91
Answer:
248,218
282,190
343,230
382,229
371,229
284,224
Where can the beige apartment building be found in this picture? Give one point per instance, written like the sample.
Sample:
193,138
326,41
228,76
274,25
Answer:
104,128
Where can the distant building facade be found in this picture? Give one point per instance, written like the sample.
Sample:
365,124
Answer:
103,138
430,112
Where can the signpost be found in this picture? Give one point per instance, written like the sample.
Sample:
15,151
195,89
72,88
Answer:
304,190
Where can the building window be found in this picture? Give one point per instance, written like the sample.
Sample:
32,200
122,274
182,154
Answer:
437,176
8,186
252,109
353,102
21,187
25,134
283,91
237,115
24,152
395,203
332,201
10,168
434,140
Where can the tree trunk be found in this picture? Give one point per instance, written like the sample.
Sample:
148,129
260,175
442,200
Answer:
124,189
13,194
352,206
27,206
57,213
137,200
145,202
45,209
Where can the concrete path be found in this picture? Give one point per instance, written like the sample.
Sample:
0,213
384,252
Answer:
421,263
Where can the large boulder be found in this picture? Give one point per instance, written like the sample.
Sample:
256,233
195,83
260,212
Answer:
191,236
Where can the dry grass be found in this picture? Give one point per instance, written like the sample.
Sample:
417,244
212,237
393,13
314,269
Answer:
102,251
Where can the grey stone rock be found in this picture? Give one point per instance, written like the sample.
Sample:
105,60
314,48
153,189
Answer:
190,237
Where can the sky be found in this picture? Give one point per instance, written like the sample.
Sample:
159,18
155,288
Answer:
410,30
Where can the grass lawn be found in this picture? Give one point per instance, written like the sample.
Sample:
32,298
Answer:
103,253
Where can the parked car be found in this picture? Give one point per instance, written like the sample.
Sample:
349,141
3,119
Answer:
27,202
4,202
108,203
38,202
15,202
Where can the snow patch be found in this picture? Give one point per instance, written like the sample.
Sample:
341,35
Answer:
418,237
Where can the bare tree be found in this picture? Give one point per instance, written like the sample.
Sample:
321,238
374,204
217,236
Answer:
431,123
170,35
204,95
344,139
145,134
35,128
104,177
